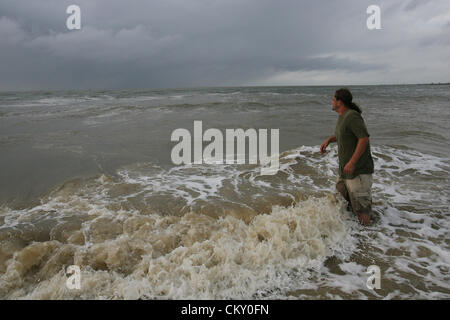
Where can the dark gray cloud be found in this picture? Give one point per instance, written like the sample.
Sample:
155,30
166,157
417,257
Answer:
178,43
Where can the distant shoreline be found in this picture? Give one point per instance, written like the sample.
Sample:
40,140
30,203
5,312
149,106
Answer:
224,87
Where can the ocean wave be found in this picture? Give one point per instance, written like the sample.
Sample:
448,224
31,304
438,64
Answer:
125,254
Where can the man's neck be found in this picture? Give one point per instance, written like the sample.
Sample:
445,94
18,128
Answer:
342,111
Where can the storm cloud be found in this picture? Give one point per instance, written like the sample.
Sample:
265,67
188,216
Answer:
183,43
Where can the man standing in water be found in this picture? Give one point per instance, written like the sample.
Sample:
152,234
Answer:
355,160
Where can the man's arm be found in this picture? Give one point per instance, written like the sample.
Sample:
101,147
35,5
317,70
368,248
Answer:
325,144
360,148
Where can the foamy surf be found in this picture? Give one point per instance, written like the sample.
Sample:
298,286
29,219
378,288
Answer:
127,255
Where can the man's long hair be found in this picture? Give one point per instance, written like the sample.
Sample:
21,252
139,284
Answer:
346,97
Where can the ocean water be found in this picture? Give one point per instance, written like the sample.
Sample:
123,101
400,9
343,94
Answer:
86,179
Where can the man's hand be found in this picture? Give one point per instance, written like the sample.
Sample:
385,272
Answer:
349,167
324,146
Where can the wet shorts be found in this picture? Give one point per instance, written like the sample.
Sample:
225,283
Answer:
357,191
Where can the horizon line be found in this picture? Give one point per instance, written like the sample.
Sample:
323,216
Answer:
222,86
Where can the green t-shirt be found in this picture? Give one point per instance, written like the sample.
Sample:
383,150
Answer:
349,128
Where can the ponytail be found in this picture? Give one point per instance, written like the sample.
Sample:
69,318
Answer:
355,107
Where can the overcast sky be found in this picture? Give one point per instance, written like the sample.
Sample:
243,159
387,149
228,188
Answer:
185,43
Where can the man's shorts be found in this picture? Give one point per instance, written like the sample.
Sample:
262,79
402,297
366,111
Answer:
357,191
